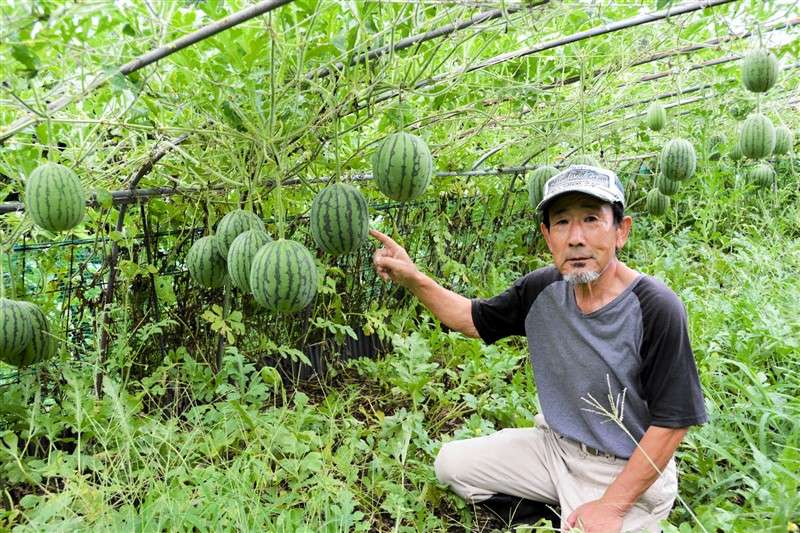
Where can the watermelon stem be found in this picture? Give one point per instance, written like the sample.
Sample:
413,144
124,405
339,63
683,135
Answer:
583,106
46,114
2,257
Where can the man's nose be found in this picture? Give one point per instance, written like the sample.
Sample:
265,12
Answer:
575,235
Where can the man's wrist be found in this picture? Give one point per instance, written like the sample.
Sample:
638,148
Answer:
619,504
419,282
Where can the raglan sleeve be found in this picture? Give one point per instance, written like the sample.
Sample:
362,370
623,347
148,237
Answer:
669,376
503,315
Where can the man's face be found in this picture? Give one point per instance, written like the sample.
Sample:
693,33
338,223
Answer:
582,236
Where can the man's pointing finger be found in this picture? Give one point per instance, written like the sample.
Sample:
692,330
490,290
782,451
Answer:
385,239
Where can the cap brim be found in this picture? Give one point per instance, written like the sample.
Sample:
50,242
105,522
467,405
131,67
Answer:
608,197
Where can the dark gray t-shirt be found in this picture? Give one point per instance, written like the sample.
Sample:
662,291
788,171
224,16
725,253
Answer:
637,343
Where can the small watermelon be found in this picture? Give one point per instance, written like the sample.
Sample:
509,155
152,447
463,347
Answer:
231,225
760,70
657,203
283,276
339,219
240,256
633,192
656,116
402,166
757,137
678,160
784,140
54,197
43,345
761,175
536,183
586,160
206,267
666,186
16,330
736,152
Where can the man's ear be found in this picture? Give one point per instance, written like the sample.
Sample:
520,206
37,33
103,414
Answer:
546,235
623,231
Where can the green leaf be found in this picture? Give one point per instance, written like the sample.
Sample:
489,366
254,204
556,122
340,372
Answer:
26,56
104,198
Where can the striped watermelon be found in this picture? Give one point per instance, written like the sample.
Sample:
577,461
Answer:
54,197
283,276
402,166
231,225
240,256
761,175
536,183
42,346
757,137
784,140
16,330
206,267
656,116
657,203
339,219
633,192
585,159
666,186
759,70
678,160
736,152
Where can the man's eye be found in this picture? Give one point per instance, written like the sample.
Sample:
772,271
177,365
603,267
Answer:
561,221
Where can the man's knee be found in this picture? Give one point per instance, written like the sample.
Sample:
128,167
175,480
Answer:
445,465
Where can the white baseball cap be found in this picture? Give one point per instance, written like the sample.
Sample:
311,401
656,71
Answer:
594,181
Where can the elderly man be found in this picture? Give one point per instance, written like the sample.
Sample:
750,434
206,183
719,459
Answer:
615,373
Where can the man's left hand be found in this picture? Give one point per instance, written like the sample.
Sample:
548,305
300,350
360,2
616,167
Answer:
595,516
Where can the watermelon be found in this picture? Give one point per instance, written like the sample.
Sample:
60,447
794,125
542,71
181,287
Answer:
231,225
784,140
402,166
759,70
54,197
283,276
536,183
678,160
665,185
240,256
339,219
633,192
43,345
757,137
736,152
741,109
206,267
657,203
16,330
656,116
761,175
586,160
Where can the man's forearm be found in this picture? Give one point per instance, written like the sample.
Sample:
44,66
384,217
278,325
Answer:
452,310
658,443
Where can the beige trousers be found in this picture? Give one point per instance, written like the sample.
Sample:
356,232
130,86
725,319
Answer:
539,464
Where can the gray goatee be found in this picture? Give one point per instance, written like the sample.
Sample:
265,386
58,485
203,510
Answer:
581,278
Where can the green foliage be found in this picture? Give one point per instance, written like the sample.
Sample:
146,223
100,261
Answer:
177,441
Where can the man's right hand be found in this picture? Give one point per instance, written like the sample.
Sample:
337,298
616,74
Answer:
392,262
